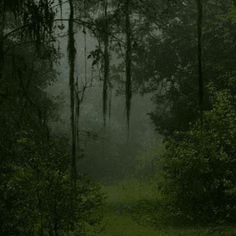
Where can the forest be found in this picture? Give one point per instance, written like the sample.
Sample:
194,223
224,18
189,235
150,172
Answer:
117,117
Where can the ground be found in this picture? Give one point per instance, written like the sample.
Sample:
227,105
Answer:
122,218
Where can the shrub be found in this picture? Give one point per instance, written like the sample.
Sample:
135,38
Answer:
198,168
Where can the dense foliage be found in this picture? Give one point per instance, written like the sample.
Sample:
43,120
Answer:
199,165
167,62
37,196
183,52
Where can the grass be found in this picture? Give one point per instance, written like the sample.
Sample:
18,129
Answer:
130,191
118,220
125,226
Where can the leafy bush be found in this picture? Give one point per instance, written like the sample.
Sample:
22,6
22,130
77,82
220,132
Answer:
198,168
36,193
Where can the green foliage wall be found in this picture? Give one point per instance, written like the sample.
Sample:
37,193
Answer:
198,166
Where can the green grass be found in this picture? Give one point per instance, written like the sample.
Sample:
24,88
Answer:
129,192
119,222
125,226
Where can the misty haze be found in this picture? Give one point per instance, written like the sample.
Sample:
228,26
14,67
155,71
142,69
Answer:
117,118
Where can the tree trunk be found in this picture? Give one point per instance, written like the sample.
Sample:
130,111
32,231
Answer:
2,24
106,62
128,60
200,71
71,58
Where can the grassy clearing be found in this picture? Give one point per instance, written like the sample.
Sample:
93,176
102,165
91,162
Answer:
119,222
129,192
125,226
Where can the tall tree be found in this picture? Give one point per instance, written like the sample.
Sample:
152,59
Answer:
200,71
128,59
106,61
71,58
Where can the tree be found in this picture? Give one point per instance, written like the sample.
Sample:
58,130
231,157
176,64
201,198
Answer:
198,166
35,189
166,62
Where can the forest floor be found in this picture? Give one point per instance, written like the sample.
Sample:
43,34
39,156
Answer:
129,212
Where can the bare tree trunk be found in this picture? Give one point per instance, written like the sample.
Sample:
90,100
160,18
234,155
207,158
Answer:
128,60
200,70
2,23
71,57
55,223
71,60
106,62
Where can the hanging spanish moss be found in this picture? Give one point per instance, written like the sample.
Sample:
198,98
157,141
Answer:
106,62
60,5
110,102
85,45
71,59
128,61
61,12
77,114
85,55
200,71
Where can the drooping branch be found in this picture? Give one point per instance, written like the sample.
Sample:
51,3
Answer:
14,31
